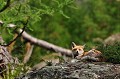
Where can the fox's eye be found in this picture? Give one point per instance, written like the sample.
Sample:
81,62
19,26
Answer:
74,49
95,51
79,49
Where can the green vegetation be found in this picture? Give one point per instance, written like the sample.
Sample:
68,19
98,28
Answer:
16,71
62,21
111,52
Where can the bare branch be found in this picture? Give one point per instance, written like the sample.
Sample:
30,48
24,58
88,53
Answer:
41,43
45,44
28,53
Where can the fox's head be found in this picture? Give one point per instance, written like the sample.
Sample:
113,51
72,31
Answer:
77,49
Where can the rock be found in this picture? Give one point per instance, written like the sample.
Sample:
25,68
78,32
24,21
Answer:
76,70
112,39
6,60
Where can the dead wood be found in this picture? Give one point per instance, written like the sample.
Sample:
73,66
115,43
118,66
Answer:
45,44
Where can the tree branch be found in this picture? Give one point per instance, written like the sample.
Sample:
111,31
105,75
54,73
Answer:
28,53
42,43
45,44
6,6
23,29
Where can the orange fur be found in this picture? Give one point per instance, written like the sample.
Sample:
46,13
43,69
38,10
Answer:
92,53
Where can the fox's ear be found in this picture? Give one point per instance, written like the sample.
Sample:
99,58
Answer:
84,45
73,44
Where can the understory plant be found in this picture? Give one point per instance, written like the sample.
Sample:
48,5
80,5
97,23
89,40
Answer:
111,52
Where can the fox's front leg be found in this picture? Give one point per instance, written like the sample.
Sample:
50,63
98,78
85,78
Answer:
79,56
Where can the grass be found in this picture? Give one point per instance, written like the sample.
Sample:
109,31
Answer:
15,72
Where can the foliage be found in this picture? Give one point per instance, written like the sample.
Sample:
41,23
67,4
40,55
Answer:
111,52
16,71
34,11
61,22
19,10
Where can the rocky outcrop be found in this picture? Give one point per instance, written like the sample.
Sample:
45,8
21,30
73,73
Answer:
6,60
112,39
76,70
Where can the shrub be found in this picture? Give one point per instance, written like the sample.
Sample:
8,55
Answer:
111,52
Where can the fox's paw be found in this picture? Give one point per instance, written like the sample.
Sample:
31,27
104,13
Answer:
87,58
78,57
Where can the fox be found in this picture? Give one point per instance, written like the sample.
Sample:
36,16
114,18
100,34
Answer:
93,54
